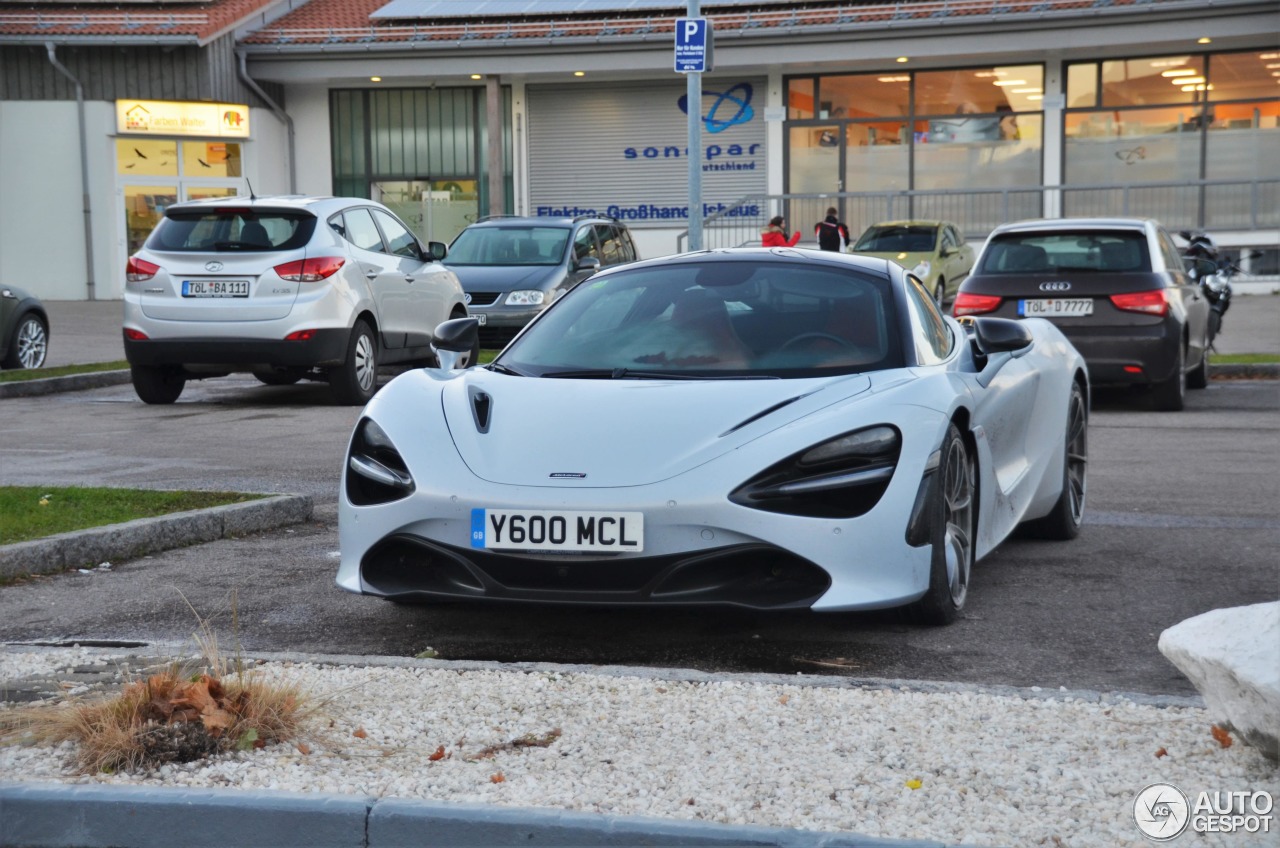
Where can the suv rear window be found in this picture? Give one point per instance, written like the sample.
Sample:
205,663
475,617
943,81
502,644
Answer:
216,230
1107,252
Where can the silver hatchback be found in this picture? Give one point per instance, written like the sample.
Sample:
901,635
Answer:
287,288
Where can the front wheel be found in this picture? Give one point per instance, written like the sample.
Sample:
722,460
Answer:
1199,376
157,384
354,381
952,534
940,292
30,343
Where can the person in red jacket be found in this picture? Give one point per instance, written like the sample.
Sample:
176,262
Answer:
775,235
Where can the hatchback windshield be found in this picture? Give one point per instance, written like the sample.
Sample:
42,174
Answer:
715,319
227,229
896,240
509,246
1108,252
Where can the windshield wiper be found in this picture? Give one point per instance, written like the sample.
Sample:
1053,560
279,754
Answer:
504,369
640,374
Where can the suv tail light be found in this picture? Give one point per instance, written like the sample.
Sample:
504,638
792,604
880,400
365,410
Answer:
1150,302
974,304
139,270
311,270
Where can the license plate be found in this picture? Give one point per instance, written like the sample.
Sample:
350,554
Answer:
557,530
1056,307
482,318
215,288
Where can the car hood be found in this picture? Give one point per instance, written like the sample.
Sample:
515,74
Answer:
907,260
606,433
503,278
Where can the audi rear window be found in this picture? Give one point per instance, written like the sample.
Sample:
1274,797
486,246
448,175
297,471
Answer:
232,230
1116,251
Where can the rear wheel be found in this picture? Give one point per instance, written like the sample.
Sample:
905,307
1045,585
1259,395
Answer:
940,292
1199,376
1063,522
30,343
1171,394
283,377
952,535
157,384
354,381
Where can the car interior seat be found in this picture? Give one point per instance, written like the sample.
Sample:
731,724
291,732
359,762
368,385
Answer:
255,234
1021,257
1121,256
704,319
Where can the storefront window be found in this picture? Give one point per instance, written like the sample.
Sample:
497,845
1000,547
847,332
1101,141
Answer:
877,156
983,152
1014,88
863,96
1244,76
815,159
147,157
143,208
156,173
800,100
1152,81
211,159
1082,85
435,210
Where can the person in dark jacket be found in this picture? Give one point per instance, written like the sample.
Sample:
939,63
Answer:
831,232
775,235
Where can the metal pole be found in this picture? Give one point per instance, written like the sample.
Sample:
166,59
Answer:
694,96
90,285
494,156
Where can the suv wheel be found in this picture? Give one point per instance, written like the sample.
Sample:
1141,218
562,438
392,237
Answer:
30,343
158,384
354,381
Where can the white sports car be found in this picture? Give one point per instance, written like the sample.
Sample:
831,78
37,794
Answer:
763,428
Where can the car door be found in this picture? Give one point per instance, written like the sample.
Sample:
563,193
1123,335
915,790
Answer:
427,290
959,258
584,246
381,271
1195,306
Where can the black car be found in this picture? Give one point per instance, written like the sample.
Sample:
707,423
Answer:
513,267
1116,287
24,329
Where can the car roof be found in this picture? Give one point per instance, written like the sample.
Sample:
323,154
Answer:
1041,224
540,221
742,254
912,223
309,203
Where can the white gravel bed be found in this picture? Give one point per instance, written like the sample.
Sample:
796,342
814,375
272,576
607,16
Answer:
957,766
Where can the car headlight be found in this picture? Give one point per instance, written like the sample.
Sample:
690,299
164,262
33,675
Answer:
843,477
526,297
376,473
922,270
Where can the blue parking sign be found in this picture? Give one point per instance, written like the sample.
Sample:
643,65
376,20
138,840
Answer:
693,45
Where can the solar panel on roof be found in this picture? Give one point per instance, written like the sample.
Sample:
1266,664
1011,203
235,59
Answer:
436,9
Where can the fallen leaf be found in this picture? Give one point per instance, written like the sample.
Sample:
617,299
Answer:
1161,753
783,700
913,784
497,778
1221,734
438,755
359,733
304,749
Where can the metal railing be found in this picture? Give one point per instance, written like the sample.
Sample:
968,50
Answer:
1240,206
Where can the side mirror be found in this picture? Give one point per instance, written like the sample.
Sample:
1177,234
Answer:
437,249
456,342
587,263
1000,335
947,251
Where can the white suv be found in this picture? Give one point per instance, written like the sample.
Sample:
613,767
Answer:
325,288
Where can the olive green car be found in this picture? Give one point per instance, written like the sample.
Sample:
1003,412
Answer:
24,329
934,251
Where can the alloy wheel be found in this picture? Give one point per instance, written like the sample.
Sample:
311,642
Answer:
32,344
958,513
1077,456
366,368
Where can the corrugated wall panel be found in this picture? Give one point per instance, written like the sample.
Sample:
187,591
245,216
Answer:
133,71
620,149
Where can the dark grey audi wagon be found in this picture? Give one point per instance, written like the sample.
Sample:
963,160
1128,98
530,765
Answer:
1116,287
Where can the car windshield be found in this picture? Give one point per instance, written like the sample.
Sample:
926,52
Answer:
726,318
227,229
897,239
1121,251
509,245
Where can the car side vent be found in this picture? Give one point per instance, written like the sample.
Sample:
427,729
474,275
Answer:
761,414
481,409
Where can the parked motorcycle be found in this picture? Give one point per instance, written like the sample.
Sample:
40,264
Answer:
1214,272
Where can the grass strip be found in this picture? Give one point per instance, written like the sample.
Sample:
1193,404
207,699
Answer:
1244,358
31,512
22,375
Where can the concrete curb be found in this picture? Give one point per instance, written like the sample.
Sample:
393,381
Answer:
133,539
70,383
1243,371
34,815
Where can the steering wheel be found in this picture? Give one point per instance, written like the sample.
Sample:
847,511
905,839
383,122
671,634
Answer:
803,338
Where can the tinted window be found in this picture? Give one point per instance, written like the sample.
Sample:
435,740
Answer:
216,230
361,230
897,240
584,244
1172,259
399,240
784,319
508,245
1117,251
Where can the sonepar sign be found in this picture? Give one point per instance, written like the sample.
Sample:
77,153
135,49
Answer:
622,149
